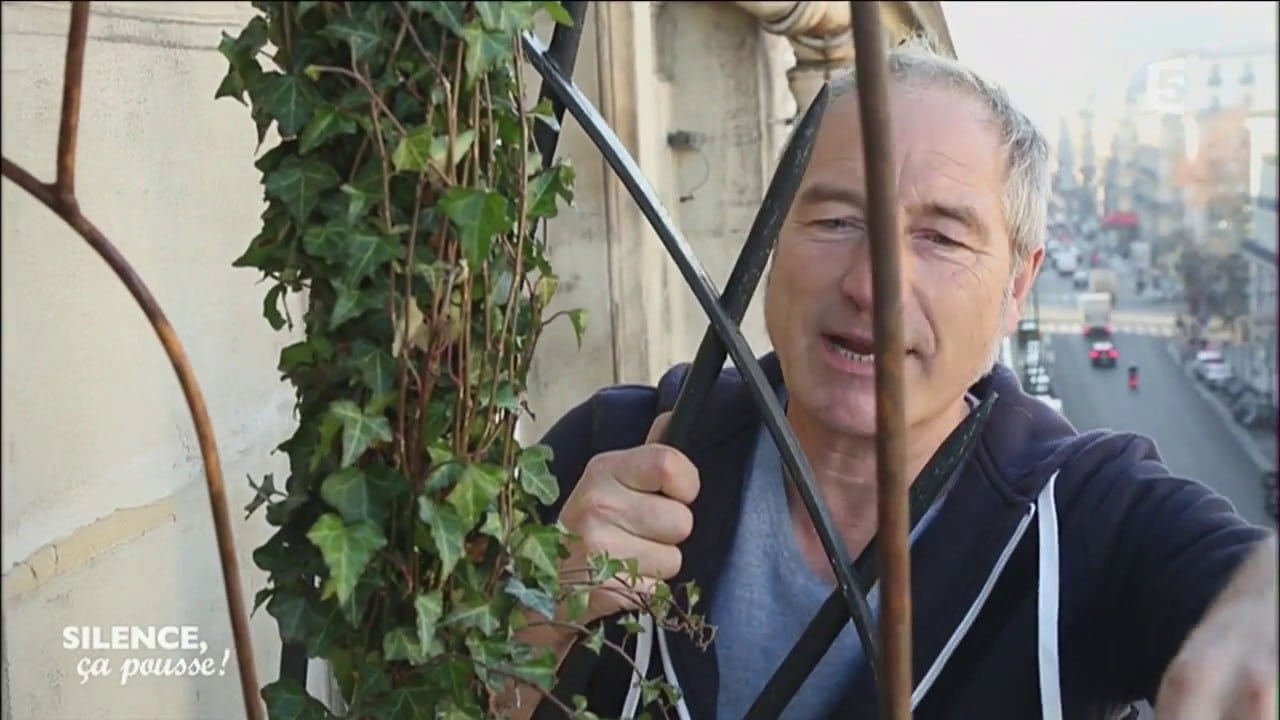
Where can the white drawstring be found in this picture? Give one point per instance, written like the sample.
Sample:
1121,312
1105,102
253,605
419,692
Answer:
1047,605
1047,621
644,652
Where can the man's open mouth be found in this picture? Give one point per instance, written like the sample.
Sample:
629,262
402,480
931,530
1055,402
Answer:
857,349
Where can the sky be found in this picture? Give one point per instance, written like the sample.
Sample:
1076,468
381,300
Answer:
1051,55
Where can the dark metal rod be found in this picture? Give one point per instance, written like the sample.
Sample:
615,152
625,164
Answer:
563,51
892,482
748,270
624,166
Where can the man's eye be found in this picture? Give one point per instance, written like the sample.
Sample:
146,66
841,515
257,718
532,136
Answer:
837,224
938,238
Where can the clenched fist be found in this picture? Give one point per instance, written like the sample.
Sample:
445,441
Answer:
631,504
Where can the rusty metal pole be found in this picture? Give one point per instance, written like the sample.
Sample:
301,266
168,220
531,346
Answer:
886,280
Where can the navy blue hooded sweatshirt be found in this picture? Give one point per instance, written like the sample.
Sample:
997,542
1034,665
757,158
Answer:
1136,555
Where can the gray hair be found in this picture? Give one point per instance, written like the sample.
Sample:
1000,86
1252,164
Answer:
1026,192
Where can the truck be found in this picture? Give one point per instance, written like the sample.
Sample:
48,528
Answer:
1102,280
1095,315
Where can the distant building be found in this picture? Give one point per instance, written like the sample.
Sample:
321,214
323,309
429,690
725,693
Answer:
1189,156
1261,251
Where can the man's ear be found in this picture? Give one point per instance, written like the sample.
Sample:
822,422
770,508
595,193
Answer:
1023,280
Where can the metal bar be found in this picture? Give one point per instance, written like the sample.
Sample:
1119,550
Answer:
563,51
871,67
799,471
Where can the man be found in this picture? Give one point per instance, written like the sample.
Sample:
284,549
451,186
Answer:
1162,592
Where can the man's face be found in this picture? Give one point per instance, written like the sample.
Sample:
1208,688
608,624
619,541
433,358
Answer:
959,294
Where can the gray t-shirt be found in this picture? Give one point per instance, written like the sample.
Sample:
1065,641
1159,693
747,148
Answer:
768,595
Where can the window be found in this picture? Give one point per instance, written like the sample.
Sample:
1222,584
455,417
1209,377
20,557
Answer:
1215,75
1246,75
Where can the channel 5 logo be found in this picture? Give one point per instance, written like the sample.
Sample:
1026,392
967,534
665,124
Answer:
1167,86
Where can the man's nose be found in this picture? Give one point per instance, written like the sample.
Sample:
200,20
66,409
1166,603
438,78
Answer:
857,284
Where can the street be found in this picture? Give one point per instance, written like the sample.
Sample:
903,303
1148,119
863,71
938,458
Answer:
1190,436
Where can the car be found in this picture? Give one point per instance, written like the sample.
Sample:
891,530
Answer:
1103,354
1214,374
1080,281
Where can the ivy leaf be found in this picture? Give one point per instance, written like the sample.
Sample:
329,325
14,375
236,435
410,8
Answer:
351,302
347,550
478,216
400,644
541,547
448,534
578,318
293,615
359,431
556,11
539,670
427,610
535,477
359,494
240,52
363,37
476,488
421,148
409,703
367,251
507,17
486,50
298,184
546,187
475,613
376,366
327,122
271,306
533,599
287,700
327,241
289,99
448,14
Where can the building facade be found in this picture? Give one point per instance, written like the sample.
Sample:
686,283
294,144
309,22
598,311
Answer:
1261,251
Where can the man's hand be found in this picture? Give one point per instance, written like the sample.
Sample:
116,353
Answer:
632,504
1226,669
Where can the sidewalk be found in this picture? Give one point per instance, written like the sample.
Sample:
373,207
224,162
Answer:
1259,445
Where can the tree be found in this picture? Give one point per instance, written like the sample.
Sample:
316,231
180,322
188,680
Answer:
1216,285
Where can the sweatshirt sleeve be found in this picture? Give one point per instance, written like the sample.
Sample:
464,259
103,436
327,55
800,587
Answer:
1175,546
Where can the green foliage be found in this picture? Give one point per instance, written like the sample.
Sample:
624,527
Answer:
403,199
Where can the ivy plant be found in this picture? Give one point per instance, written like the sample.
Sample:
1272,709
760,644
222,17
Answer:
403,203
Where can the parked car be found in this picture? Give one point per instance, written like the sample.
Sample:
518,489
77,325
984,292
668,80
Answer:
1211,368
1214,374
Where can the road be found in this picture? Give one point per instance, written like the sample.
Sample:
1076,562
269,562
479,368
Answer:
1189,435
